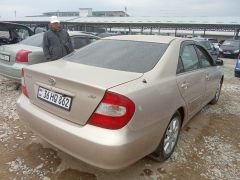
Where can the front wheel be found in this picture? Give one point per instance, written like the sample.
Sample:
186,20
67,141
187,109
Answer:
169,139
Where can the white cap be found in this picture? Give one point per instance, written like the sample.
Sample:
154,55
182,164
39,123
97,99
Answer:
54,19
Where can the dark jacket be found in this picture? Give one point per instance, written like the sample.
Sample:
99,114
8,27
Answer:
56,44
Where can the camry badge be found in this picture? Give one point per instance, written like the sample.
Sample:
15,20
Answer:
52,81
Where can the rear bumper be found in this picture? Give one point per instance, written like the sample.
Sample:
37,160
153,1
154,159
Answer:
13,71
103,148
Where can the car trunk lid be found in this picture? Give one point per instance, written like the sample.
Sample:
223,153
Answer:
8,52
86,85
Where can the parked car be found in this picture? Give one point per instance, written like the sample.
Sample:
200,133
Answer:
214,42
237,67
11,33
29,51
230,48
121,98
214,52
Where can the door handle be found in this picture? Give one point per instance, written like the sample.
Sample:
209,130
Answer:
184,85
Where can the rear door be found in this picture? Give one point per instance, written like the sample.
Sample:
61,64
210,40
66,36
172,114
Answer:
211,74
190,78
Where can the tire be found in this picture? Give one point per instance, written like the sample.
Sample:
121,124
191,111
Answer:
217,94
169,139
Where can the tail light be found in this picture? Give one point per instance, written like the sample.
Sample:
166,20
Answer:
24,89
22,56
114,111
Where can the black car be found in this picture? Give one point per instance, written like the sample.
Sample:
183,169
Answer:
11,33
230,48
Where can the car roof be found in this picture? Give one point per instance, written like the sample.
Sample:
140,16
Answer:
144,38
8,25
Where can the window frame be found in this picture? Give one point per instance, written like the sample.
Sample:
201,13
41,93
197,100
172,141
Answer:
209,57
180,66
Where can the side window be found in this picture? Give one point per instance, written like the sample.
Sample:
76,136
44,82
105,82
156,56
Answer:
4,34
22,33
204,58
189,58
79,42
4,37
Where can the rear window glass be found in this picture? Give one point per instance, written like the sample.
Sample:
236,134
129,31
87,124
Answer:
231,43
129,56
35,40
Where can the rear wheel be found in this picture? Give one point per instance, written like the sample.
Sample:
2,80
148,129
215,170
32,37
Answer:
217,94
169,139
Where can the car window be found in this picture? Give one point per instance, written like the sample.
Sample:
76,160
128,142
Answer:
206,44
35,40
204,58
231,43
189,58
213,40
4,34
4,37
131,56
23,33
79,42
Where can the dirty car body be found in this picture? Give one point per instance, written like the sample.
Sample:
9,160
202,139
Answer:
119,99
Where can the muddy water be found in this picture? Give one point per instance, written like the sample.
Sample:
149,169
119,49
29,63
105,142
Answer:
208,148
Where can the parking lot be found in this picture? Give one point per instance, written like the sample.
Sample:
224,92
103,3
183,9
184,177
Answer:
208,148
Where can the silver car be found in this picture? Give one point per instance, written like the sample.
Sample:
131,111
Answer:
29,51
121,98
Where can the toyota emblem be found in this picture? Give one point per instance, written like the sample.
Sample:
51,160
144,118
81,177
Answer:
52,81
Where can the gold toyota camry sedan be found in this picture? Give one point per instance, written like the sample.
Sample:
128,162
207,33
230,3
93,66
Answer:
121,98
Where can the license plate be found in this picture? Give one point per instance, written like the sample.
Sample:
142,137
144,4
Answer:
60,100
4,57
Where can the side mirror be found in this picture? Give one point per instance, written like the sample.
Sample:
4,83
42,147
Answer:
219,62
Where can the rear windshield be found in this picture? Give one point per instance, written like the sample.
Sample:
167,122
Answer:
131,56
231,43
35,40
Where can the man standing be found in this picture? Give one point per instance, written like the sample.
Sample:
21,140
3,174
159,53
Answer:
56,41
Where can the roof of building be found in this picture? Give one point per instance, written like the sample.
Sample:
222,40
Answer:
157,20
204,22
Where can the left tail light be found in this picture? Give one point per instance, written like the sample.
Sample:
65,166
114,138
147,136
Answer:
22,55
113,112
24,89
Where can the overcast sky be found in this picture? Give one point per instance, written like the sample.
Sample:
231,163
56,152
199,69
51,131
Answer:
134,7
